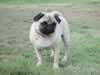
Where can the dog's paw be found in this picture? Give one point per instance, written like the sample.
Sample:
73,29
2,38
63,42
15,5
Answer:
52,54
64,60
38,64
55,66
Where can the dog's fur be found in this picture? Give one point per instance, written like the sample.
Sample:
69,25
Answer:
47,31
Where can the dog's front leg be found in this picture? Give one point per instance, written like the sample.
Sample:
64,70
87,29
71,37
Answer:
56,57
39,57
52,53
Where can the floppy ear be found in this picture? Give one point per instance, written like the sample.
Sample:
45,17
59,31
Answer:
38,17
57,18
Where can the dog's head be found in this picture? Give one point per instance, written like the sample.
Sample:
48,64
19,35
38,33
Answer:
47,21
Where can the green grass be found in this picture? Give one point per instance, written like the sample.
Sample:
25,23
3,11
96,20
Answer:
51,2
17,56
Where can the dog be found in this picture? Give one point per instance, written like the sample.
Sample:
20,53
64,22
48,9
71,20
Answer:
47,31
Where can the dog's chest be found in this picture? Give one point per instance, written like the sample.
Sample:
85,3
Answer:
40,41
45,42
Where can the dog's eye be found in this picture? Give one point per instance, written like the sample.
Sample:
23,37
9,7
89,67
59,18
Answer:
44,23
54,23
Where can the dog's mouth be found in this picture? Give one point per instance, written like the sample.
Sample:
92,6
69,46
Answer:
47,28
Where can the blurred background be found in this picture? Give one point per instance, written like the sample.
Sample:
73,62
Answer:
17,55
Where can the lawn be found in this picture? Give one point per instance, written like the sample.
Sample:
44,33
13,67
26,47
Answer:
17,56
92,3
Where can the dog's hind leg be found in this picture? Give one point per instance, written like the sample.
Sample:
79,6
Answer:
39,57
65,40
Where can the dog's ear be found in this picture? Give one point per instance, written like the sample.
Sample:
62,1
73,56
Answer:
38,17
57,18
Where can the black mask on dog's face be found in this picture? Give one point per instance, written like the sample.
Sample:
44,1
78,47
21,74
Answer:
47,28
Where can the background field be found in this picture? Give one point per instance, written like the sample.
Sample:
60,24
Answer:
17,56
61,2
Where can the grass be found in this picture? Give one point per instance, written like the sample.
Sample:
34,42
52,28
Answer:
92,3
17,56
